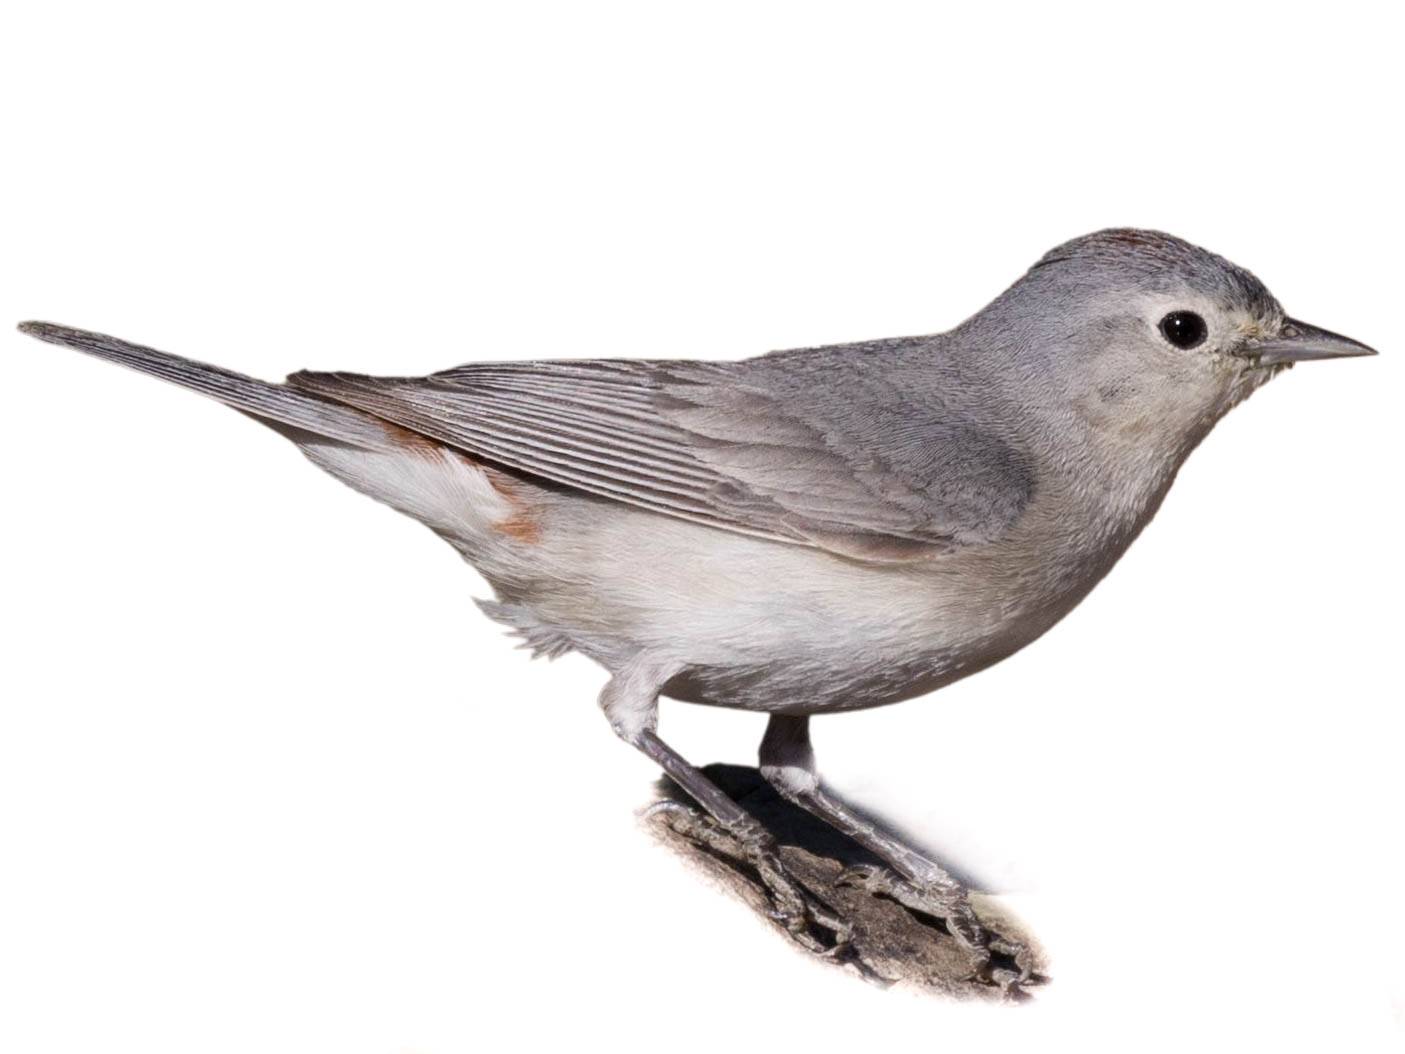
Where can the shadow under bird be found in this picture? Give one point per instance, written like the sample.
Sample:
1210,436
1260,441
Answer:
814,530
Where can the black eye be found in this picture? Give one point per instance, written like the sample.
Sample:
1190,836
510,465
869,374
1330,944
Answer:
1184,329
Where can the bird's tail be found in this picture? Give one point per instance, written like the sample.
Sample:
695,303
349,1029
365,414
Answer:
287,409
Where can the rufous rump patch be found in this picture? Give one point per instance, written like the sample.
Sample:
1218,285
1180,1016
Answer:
522,524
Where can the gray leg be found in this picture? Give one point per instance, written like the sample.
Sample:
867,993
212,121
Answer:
788,763
630,702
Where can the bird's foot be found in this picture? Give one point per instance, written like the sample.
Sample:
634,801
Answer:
805,919
948,900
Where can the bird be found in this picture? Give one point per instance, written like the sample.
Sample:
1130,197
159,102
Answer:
808,531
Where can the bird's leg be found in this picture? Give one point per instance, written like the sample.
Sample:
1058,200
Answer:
630,702
917,882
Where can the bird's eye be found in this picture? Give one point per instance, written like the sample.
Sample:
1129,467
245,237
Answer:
1184,329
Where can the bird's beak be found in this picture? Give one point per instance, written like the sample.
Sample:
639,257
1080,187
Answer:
1299,342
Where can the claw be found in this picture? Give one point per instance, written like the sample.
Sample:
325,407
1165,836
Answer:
1019,951
952,906
673,810
868,877
792,908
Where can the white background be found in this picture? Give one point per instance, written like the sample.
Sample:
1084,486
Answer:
268,782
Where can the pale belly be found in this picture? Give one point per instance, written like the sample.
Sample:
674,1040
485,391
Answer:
759,625
738,621
828,683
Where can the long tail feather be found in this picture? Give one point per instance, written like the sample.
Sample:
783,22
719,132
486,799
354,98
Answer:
275,404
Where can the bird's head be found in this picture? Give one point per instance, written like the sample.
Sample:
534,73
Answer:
1140,332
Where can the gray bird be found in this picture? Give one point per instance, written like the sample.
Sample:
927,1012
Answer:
814,530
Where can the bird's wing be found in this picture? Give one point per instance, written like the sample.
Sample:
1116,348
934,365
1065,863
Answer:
725,444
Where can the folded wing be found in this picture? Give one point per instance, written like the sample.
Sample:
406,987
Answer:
742,446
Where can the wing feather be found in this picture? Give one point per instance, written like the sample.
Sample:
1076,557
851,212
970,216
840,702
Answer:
731,445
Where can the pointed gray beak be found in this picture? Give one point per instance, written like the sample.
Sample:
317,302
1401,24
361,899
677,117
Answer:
1299,342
